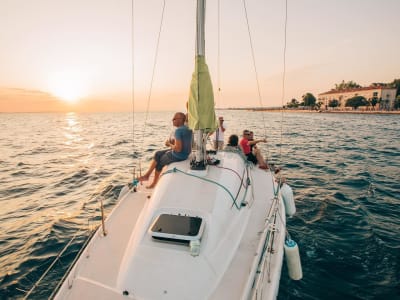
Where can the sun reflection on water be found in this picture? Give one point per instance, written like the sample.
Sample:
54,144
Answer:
72,128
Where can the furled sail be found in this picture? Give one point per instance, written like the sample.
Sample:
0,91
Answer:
201,99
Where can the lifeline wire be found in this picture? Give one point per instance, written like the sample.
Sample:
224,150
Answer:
51,265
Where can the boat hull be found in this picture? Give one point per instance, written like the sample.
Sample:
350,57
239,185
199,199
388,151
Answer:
240,251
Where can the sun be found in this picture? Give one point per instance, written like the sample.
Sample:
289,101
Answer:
67,86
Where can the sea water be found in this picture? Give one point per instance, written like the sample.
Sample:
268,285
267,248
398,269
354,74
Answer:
344,170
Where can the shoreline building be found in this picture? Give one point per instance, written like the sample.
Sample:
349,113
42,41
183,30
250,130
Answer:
384,97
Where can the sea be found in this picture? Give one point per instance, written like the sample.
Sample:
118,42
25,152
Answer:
344,169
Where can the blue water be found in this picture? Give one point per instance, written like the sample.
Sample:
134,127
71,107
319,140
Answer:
343,168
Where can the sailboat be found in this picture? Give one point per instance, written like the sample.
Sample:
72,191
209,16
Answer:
214,227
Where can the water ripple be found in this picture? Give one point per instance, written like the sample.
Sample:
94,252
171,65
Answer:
345,178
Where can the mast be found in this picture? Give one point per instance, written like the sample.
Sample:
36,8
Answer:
200,147
201,110
200,37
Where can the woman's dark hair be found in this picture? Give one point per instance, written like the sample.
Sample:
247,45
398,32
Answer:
233,140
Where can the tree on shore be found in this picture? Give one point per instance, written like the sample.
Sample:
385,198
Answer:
346,85
309,100
293,103
397,103
356,102
396,85
333,103
374,101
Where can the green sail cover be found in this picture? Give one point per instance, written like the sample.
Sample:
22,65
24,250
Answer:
201,99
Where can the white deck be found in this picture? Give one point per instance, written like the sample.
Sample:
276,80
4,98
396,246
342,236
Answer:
129,259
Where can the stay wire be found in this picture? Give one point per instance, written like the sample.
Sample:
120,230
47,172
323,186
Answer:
254,65
219,53
133,83
283,79
152,76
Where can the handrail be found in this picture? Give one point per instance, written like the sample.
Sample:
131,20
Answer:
65,276
259,260
67,246
52,264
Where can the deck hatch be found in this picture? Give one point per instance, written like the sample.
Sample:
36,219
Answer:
177,228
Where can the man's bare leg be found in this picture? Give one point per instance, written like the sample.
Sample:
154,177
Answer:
155,180
146,176
260,159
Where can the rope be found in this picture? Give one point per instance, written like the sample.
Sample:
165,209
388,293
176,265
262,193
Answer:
204,179
152,76
133,81
219,54
283,80
229,169
254,65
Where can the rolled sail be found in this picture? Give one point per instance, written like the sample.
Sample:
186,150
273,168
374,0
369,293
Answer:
201,99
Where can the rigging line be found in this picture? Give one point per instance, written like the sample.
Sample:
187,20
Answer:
254,65
283,79
237,174
219,54
152,75
133,83
207,180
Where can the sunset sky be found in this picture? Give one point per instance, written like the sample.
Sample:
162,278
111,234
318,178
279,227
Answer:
70,55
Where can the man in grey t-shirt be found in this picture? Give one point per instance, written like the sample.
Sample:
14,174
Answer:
179,149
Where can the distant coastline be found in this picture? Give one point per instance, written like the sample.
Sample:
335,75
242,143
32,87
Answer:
370,112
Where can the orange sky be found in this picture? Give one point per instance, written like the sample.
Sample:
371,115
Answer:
54,52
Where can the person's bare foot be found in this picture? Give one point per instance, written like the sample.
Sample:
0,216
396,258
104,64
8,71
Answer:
151,186
143,178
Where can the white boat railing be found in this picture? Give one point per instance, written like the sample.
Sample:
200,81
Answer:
91,232
264,252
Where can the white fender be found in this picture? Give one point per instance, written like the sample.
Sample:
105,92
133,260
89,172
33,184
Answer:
288,199
293,260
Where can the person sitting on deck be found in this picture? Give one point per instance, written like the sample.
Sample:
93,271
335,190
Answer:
232,143
180,148
255,156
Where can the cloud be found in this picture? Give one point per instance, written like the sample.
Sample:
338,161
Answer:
25,100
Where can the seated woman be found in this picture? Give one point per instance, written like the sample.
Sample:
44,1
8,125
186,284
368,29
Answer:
232,143
255,156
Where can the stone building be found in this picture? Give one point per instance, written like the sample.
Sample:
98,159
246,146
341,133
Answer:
383,95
